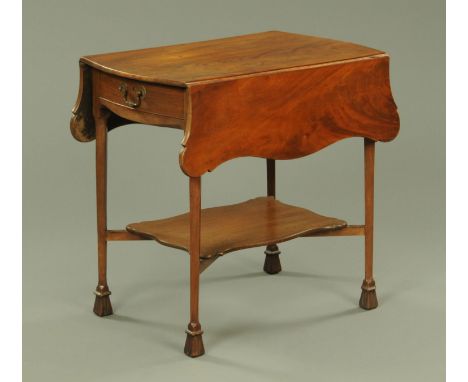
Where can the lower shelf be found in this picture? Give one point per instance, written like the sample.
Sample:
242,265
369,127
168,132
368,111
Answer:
256,222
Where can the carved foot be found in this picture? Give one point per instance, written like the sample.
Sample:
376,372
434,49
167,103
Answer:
194,342
102,304
272,261
368,298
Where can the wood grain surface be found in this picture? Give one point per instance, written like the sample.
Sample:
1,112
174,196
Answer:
82,122
287,115
226,57
273,95
158,99
256,222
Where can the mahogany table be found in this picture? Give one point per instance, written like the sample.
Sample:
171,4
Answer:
272,95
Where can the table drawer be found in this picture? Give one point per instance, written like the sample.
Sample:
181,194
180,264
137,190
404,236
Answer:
142,96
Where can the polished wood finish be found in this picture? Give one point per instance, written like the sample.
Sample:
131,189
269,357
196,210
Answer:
271,177
162,105
205,263
82,123
325,104
368,298
272,95
194,343
102,304
123,235
326,99
256,222
165,101
350,230
141,117
369,158
272,264
182,64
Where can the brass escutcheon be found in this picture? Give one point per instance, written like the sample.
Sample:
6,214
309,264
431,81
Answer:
139,93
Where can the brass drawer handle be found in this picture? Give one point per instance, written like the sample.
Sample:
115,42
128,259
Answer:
139,93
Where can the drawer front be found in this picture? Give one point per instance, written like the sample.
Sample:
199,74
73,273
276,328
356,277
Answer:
142,96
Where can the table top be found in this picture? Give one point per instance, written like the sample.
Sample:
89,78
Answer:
182,64
272,95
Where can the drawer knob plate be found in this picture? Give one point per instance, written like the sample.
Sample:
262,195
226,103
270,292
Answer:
140,93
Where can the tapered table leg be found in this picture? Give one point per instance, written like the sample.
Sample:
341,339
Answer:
368,298
102,304
272,263
194,342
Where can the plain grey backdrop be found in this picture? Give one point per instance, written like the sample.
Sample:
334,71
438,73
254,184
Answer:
302,324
